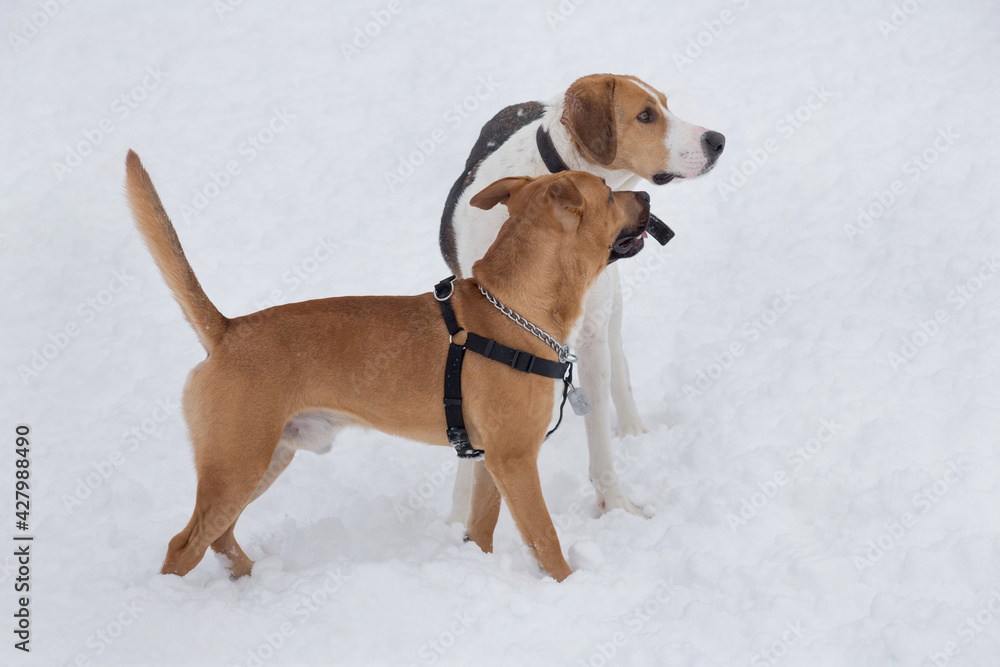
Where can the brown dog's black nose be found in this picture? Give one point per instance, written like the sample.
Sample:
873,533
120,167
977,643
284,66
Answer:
713,143
644,219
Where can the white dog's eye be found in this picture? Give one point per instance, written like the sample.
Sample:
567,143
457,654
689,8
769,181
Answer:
647,116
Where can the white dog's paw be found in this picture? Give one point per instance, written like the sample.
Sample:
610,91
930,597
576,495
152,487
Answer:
631,424
616,500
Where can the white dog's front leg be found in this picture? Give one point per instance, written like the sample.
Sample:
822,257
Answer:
629,421
595,378
461,496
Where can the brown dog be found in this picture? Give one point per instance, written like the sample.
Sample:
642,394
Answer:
290,377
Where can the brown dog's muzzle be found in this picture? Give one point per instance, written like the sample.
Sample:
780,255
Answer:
630,240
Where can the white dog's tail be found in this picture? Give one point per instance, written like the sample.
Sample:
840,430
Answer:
163,244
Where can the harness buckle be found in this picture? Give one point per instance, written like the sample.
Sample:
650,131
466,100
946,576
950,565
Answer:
459,439
523,361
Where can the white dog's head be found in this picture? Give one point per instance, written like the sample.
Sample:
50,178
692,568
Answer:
620,122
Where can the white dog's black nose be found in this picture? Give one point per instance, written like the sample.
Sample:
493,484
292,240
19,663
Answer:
713,144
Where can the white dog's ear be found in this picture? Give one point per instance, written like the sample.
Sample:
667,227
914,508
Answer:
499,192
566,201
589,115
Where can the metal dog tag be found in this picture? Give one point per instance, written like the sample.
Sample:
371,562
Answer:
578,401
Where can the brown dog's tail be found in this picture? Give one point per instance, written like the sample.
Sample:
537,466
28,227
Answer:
163,244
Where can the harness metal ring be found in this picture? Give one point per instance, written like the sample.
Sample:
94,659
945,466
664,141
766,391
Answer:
451,290
566,356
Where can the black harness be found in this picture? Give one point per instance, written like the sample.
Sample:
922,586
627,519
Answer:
519,360
550,156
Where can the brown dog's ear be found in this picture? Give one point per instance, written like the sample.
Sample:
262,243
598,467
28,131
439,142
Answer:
566,201
589,115
498,192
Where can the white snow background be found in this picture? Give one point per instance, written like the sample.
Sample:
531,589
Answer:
822,463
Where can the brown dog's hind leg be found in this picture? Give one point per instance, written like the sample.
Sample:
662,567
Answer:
216,509
209,522
283,455
226,545
517,478
229,473
485,508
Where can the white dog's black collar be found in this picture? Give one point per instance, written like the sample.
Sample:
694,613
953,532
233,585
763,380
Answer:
550,156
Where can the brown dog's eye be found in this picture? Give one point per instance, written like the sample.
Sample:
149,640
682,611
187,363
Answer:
647,116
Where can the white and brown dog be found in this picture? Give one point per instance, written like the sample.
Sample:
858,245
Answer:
620,129
290,377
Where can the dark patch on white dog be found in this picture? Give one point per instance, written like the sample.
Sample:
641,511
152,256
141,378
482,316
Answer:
494,134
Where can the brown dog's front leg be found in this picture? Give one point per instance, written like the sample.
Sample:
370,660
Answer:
485,508
517,479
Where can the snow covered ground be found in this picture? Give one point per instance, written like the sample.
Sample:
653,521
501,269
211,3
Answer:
816,353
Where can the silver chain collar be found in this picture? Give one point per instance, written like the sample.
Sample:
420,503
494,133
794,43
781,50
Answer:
562,350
